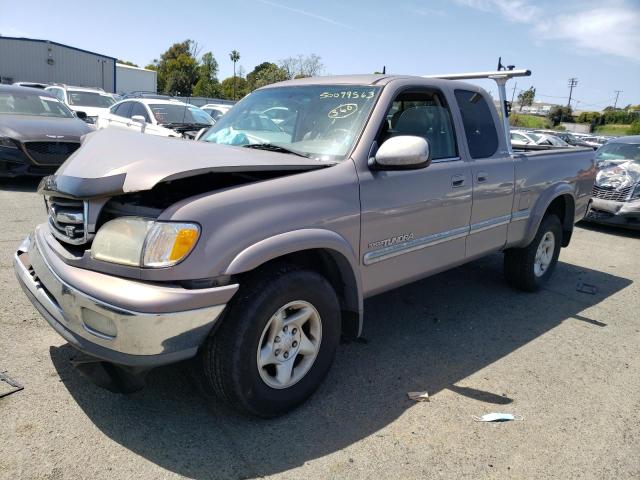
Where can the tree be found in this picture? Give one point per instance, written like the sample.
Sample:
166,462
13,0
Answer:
265,74
301,66
234,56
526,97
207,84
178,69
559,114
228,91
126,62
635,128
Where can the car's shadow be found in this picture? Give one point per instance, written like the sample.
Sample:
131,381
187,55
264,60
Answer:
610,229
426,336
19,184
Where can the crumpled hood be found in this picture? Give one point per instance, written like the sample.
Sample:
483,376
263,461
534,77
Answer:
113,161
618,176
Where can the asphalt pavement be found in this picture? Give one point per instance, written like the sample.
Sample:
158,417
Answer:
566,360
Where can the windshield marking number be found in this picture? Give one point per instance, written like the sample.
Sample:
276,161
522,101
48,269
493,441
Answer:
348,94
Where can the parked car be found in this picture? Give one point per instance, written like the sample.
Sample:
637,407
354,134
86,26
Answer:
216,110
37,132
88,103
165,118
40,86
257,257
573,140
528,139
616,193
521,138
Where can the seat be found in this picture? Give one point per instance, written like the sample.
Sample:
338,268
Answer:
430,122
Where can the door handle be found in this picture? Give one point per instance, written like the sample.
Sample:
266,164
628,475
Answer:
481,177
457,181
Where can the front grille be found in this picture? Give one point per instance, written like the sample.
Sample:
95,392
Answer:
50,153
67,219
610,193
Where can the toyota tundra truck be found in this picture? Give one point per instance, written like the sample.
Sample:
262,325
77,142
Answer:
251,250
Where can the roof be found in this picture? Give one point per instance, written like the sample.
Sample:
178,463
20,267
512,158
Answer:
58,44
156,101
627,139
131,67
82,89
372,80
24,90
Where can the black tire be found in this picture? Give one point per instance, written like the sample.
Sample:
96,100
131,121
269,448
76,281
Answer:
519,263
229,356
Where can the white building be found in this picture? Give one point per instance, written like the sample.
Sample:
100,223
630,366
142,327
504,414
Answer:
131,79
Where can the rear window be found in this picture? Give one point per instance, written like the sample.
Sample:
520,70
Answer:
80,98
479,126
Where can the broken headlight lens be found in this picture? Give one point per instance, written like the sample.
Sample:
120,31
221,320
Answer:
141,242
7,143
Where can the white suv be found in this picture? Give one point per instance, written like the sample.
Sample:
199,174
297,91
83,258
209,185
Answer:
166,118
87,103
216,110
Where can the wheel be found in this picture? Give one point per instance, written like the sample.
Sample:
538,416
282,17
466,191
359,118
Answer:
276,343
529,268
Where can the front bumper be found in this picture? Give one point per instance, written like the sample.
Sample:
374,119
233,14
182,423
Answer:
14,163
141,338
610,212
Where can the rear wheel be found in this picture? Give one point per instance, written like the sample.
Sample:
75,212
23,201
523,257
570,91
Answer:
529,268
276,343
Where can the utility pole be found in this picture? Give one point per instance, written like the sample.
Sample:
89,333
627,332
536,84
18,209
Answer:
618,92
514,93
573,82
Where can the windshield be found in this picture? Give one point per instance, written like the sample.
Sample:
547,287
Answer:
28,104
79,98
319,121
166,113
618,151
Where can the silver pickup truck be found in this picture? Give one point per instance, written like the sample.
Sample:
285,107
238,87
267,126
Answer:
254,247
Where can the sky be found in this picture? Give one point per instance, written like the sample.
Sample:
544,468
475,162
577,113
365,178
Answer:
597,42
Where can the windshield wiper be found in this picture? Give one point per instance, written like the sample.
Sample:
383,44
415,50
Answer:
275,148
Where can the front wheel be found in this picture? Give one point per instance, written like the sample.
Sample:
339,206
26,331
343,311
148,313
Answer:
529,268
276,343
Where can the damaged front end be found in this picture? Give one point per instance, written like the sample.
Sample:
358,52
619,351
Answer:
132,312
616,195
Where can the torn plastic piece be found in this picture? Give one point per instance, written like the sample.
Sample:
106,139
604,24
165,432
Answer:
7,379
497,417
586,288
419,396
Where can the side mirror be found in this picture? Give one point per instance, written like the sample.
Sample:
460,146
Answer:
404,152
200,133
139,119
81,115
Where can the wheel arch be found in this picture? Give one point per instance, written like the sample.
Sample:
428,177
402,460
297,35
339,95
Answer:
320,250
559,200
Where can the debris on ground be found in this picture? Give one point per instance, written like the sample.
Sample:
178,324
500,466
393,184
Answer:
13,383
497,417
419,396
586,288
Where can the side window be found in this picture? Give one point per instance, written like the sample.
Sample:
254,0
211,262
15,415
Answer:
123,110
518,137
139,109
423,114
479,126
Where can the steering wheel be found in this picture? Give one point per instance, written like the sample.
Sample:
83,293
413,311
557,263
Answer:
337,133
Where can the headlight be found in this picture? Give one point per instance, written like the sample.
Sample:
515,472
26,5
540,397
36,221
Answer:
7,143
141,242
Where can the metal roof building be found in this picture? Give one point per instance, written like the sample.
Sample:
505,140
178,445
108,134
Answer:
44,61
